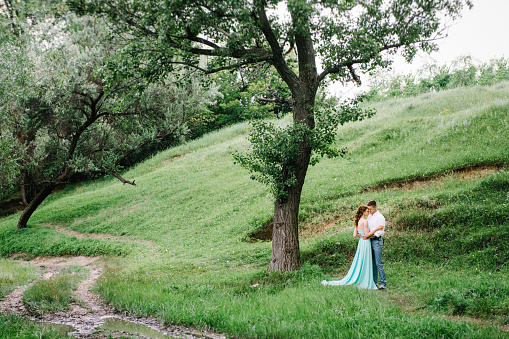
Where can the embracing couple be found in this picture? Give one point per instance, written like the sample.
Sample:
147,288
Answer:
367,264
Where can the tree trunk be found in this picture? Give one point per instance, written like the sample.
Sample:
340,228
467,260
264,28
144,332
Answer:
285,233
27,192
24,195
32,206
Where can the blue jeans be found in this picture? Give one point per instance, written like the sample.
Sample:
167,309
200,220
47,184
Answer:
378,265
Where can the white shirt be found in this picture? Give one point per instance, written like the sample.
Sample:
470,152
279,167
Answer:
374,220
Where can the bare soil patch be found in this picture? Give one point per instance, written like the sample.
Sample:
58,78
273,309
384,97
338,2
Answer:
465,172
263,234
310,230
167,160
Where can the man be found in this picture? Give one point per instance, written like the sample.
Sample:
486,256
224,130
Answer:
376,219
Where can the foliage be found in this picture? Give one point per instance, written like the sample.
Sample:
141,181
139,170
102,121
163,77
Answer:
58,97
231,33
239,101
58,118
275,150
431,78
239,33
54,294
179,103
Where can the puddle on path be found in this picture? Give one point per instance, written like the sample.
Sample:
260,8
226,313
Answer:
115,324
60,328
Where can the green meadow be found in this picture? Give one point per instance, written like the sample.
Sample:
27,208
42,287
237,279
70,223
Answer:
194,211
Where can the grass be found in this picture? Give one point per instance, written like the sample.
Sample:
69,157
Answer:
445,251
13,274
13,326
299,308
44,240
54,294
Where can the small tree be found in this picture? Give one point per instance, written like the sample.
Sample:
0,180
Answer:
58,118
348,36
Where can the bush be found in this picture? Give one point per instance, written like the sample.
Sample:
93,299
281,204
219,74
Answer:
432,78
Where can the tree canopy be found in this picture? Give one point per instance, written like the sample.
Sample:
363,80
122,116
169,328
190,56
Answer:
58,118
343,34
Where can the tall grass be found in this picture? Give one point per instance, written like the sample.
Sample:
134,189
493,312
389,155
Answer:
13,274
13,326
54,294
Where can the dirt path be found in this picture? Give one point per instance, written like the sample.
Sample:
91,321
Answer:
87,313
462,173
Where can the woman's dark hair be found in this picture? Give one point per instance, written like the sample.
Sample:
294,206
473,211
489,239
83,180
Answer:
359,213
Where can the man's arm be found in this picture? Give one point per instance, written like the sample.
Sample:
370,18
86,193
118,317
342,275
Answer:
370,234
380,220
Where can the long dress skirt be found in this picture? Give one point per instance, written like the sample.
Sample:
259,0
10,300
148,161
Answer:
361,270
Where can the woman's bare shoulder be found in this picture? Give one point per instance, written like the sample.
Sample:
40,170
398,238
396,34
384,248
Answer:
362,222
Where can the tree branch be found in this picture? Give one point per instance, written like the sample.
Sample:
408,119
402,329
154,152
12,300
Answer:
116,175
277,54
194,38
354,76
278,100
350,63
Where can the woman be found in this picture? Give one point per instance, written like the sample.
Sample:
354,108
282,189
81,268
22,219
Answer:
361,270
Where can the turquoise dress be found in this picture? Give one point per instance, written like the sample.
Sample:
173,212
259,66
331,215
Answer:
361,270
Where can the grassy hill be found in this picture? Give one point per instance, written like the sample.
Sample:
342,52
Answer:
437,164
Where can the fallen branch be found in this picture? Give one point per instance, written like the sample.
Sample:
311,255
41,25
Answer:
116,175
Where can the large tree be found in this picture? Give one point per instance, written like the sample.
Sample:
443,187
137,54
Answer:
346,36
59,119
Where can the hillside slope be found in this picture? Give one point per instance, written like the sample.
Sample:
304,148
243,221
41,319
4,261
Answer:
197,209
